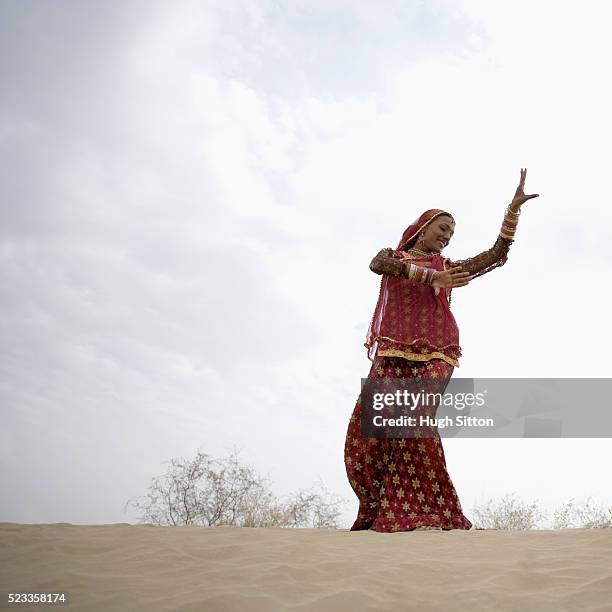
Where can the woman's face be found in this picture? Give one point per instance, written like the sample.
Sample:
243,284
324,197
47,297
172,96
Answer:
438,234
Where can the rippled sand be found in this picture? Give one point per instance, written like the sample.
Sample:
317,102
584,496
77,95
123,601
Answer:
142,567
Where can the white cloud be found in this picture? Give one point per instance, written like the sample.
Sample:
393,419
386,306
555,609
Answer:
188,259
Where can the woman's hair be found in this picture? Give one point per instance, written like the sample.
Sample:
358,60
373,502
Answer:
410,243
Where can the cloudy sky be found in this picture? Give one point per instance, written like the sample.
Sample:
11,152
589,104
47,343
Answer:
191,194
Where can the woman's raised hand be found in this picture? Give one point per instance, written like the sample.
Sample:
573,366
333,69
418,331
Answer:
519,197
453,277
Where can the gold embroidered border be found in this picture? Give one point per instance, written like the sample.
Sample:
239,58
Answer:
417,356
408,257
413,341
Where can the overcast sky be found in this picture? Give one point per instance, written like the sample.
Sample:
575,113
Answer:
191,194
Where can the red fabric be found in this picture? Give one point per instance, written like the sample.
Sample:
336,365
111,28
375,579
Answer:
409,316
401,483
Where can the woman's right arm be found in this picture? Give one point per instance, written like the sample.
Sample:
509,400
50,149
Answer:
385,263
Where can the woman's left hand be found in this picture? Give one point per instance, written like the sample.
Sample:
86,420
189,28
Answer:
453,277
519,197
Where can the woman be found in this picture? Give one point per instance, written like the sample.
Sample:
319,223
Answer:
403,484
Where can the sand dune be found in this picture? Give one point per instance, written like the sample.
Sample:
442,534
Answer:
143,567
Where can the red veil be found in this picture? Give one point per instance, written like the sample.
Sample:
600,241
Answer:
410,320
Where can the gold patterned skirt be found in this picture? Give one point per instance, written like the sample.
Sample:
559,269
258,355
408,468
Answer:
403,483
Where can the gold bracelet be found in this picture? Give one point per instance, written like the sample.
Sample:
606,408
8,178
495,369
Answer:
510,212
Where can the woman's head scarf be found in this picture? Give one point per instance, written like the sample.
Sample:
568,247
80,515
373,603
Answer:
409,237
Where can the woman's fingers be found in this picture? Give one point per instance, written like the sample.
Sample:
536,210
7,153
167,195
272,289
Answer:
460,280
453,277
456,273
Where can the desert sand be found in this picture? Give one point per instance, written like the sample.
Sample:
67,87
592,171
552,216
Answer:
145,567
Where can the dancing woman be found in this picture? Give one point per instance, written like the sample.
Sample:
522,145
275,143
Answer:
403,484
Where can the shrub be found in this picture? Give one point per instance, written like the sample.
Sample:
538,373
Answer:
587,515
209,491
507,513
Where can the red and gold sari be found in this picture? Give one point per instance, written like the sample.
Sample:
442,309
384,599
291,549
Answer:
403,483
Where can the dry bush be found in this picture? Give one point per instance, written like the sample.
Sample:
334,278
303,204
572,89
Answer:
509,512
208,491
587,515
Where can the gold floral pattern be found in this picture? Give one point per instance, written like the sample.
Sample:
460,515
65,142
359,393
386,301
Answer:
401,483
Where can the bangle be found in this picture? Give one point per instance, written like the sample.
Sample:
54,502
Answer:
512,213
420,274
510,223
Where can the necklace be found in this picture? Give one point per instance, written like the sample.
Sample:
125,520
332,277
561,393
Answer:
418,252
